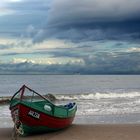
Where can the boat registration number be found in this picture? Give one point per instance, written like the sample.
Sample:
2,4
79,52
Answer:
34,114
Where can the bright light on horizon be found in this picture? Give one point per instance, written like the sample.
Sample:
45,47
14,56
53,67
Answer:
15,0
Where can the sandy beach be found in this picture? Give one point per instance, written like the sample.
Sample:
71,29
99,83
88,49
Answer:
84,132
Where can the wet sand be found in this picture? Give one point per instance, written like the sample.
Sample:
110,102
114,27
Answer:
84,132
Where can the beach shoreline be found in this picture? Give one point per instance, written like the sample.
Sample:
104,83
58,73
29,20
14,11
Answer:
84,132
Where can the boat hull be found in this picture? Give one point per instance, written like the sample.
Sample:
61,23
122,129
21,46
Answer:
34,113
34,121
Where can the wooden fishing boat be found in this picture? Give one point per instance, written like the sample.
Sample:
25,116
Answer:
35,113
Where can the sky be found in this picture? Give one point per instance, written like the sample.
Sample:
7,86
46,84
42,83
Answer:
69,37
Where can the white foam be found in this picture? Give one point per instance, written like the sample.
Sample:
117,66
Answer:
117,95
5,112
5,117
98,95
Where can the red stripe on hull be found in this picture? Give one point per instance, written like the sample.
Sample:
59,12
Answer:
44,119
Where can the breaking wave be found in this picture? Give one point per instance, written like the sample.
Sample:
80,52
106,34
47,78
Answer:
98,95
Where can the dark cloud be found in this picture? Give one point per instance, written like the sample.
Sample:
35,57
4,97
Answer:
64,12
122,30
120,63
91,20
86,20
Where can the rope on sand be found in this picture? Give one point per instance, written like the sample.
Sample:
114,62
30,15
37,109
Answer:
15,134
17,130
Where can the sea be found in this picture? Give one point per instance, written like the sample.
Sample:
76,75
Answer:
101,99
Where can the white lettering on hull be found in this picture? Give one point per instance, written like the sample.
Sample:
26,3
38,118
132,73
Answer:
34,114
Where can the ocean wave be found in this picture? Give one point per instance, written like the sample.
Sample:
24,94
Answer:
98,95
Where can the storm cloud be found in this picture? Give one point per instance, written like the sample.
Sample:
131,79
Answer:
70,37
91,20
65,12
80,20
